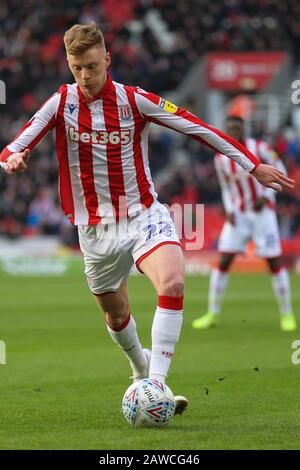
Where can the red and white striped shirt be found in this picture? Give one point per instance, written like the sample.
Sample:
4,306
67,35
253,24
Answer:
102,147
240,190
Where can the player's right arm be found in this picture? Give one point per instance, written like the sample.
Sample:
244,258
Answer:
14,156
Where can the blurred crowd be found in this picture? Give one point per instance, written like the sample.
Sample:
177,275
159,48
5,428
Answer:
152,51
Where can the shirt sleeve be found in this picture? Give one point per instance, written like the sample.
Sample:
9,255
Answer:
160,111
35,129
225,188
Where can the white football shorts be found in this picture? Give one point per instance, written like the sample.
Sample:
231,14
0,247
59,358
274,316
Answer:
260,227
110,250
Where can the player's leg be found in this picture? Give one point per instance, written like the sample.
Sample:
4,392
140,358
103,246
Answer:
107,266
165,269
122,329
282,291
217,285
218,282
157,253
268,246
232,240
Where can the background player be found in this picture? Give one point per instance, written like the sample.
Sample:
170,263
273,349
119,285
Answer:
250,214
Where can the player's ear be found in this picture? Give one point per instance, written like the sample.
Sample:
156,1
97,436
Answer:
107,59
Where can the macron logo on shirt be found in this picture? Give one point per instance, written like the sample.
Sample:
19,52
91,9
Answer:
122,137
71,107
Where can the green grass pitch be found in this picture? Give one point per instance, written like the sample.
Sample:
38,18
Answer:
64,379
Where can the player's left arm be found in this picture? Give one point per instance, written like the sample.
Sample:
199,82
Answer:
160,111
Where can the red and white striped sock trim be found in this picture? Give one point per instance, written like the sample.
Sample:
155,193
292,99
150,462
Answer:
170,303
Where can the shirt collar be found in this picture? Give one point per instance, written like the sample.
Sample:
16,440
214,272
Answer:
108,86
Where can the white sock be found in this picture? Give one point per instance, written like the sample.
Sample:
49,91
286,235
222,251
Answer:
166,329
217,285
282,290
126,338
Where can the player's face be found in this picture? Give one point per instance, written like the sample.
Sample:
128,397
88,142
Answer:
89,69
235,129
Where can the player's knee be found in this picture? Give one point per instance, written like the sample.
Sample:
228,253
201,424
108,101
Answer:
172,286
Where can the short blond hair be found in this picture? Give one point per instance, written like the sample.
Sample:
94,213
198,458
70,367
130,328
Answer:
82,37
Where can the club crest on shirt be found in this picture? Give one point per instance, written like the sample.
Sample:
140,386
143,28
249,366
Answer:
125,112
167,106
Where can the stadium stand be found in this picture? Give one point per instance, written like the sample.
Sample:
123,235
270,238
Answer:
153,45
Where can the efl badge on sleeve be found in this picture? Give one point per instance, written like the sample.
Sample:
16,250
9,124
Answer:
167,106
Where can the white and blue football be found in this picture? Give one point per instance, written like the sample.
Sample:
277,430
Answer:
148,403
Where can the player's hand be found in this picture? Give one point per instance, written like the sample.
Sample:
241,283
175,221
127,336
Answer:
259,204
16,163
230,217
270,177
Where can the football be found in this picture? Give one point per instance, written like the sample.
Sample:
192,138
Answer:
148,403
